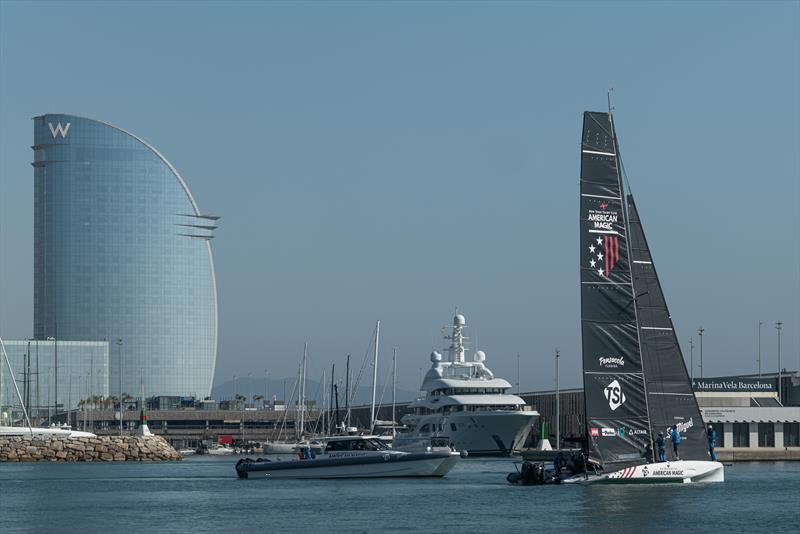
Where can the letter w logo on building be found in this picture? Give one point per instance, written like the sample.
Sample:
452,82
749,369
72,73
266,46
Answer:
58,129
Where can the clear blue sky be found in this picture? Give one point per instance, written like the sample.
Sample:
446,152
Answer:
393,160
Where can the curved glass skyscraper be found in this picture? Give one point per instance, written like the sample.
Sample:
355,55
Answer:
122,252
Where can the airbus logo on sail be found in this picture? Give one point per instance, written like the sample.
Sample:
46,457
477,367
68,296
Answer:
59,129
614,395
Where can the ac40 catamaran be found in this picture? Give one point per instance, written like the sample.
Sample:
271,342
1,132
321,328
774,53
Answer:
634,377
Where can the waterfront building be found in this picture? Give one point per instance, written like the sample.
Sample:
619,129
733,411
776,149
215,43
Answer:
750,421
122,252
82,373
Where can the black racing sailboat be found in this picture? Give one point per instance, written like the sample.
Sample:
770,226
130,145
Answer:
635,379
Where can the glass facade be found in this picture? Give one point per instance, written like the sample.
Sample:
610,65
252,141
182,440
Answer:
82,373
122,252
766,434
791,434
741,434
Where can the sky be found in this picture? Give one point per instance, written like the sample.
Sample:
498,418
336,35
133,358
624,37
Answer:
393,161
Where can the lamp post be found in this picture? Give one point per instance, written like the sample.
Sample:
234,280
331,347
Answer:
691,360
778,327
558,409
759,348
119,359
700,332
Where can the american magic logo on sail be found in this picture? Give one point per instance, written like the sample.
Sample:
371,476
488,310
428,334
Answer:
604,221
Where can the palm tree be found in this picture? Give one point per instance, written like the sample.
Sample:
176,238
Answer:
257,398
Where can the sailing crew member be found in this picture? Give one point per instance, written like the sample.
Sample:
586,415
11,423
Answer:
558,464
675,436
662,453
712,443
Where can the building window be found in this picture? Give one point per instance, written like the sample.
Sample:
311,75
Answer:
791,434
741,434
720,428
766,434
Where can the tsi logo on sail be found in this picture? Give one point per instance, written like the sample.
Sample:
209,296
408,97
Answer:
614,395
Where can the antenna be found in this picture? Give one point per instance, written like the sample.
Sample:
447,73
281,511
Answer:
608,95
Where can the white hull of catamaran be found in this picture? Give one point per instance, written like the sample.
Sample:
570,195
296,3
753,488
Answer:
681,471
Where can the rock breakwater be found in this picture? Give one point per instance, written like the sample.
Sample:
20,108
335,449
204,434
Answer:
98,449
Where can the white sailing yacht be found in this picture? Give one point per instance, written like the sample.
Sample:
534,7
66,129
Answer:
634,376
29,430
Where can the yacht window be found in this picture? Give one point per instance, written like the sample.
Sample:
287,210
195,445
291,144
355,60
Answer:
453,427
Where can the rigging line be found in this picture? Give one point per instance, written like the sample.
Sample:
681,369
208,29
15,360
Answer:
385,385
366,361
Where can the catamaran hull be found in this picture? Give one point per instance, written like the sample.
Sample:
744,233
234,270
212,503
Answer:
380,466
682,472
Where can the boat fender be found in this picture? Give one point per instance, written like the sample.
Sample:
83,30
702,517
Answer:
513,478
464,454
385,457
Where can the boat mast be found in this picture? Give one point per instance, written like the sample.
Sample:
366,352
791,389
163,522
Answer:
394,386
303,389
347,391
331,415
628,233
374,377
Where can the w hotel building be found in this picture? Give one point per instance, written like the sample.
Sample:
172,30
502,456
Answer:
122,253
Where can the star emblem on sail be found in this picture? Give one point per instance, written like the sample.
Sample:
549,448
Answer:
604,253
614,395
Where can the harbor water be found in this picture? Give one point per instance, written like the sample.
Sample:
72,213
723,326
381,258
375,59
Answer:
203,494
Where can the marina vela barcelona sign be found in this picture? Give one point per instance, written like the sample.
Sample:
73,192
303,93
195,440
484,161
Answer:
735,384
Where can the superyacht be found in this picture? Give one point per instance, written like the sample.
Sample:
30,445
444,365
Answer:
464,402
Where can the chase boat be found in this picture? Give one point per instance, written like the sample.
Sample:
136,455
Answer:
354,457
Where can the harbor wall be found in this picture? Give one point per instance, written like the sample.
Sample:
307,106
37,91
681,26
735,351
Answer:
43,448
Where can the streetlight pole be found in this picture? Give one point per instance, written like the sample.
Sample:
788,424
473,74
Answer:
778,327
119,358
700,332
558,409
759,348
691,360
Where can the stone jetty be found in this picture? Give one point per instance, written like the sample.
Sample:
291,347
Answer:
43,448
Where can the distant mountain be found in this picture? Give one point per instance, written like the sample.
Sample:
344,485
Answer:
260,386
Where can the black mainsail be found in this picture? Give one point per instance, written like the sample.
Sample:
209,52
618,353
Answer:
670,398
618,427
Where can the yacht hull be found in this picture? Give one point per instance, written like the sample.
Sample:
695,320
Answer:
678,472
481,433
433,464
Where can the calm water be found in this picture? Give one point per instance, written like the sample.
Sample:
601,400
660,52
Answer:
202,494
